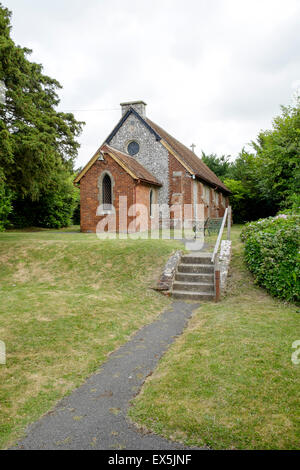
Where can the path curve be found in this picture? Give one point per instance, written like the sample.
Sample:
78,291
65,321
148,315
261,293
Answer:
94,415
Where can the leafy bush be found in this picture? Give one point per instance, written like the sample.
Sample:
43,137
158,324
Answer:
272,254
292,204
245,203
5,204
54,208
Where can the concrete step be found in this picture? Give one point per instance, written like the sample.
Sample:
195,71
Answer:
196,259
193,286
184,295
196,268
194,277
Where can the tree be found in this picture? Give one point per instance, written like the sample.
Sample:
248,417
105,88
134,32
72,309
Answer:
247,200
221,166
267,178
37,142
239,177
5,203
278,157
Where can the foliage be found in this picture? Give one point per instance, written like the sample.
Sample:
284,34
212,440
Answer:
247,204
272,254
38,144
266,178
5,203
239,200
57,205
54,208
278,156
240,176
76,213
292,204
219,165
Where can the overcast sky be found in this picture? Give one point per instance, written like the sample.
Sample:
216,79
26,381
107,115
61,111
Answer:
213,72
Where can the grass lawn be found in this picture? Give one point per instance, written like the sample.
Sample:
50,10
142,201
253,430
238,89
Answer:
66,301
228,382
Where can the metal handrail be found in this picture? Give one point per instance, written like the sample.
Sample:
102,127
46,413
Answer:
217,245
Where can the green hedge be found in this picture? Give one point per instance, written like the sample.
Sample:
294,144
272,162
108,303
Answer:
272,254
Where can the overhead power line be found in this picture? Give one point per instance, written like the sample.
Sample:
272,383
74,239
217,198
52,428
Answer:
87,110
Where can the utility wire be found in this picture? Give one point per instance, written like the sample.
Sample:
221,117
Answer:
87,110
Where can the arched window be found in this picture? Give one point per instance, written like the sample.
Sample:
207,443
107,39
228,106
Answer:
106,192
151,202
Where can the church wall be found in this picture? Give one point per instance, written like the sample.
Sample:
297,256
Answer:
203,198
152,155
181,186
143,198
123,185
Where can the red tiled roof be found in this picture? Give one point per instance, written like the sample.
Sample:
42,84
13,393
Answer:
190,158
132,164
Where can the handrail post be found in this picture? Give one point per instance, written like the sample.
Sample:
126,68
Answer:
229,223
217,276
217,284
219,236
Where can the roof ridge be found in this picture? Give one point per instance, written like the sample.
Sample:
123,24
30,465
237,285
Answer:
132,164
178,141
184,154
192,159
121,151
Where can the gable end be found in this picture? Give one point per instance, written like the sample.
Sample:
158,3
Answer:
121,122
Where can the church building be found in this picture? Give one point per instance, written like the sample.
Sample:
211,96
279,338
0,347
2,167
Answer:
140,164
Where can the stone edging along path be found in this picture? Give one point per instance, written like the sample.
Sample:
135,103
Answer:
94,415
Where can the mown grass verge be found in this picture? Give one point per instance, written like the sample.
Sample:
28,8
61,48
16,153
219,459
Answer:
67,301
228,382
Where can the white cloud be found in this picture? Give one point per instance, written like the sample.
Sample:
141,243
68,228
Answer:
213,73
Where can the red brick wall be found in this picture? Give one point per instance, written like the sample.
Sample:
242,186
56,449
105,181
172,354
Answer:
180,192
180,187
222,204
201,200
143,197
124,185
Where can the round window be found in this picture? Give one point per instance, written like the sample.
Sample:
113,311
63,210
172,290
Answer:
133,148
